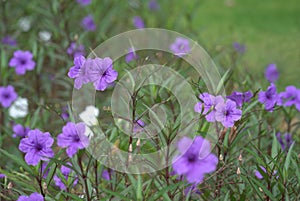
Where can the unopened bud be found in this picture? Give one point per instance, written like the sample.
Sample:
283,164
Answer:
10,185
240,157
221,157
238,172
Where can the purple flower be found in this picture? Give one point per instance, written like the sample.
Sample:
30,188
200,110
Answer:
131,55
79,71
195,159
138,22
37,147
20,131
269,97
101,73
239,47
73,138
32,197
180,47
76,50
260,176
227,113
138,126
43,170
289,97
66,174
239,98
271,73
153,5
105,175
2,176
64,114
209,103
88,23
22,61
7,95
7,40
84,2
286,141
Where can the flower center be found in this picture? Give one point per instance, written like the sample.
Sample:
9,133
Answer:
22,61
6,95
38,147
76,138
192,158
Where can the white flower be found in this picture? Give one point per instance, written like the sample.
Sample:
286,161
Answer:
88,116
45,35
25,24
19,108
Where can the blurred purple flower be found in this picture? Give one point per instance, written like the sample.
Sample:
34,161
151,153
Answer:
37,147
180,47
227,113
88,23
271,73
79,71
7,95
7,40
84,2
138,22
66,173
208,105
20,131
131,55
240,48
239,97
2,176
269,97
22,61
64,113
105,175
73,138
289,97
286,141
33,197
76,50
195,159
153,5
260,176
44,171
101,73
138,126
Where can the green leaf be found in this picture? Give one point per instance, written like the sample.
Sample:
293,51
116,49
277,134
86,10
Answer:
287,162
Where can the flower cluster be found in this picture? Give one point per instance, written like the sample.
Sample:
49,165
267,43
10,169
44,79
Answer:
215,108
98,71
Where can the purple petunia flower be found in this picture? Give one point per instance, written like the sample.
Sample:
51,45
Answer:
66,172
73,138
138,22
138,126
195,159
7,95
269,97
20,131
271,73
84,2
33,197
22,61
105,175
260,176
76,50
7,40
131,55
65,114
227,113
153,5
209,103
101,73
180,47
286,141
37,147
88,23
239,98
79,71
240,48
289,97
2,176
